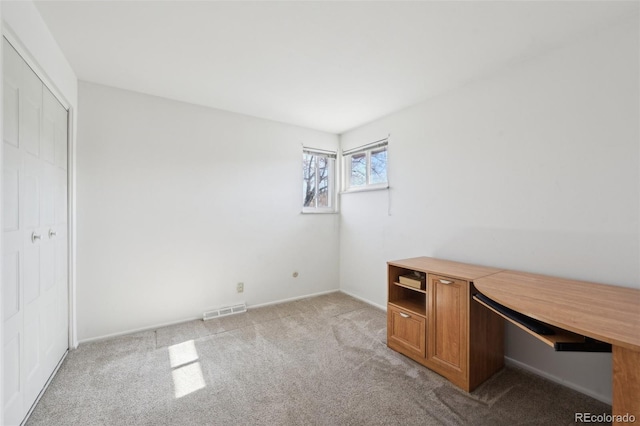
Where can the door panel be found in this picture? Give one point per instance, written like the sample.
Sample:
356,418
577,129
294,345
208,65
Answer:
31,281
30,111
49,333
33,350
30,118
48,195
60,257
31,344
10,285
11,192
11,101
10,104
61,137
31,198
49,114
60,203
57,296
12,370
47,264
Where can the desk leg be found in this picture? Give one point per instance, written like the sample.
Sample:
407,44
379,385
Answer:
626,383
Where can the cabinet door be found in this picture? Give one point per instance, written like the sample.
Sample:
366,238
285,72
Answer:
448,300
406,332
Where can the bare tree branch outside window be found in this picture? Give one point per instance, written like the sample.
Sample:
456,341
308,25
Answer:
316,180
378,166
309,179
359,169
367,166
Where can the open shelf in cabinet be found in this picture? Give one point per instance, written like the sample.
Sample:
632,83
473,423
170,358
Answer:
405,297
413,306
419,290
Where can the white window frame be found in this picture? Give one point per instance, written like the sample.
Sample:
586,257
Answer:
332,158
367,150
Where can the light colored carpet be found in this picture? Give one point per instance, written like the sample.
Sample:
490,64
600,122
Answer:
316,361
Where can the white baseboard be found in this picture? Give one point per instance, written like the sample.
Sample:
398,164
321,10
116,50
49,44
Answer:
607,399
167,324
369,302
136,330
292,299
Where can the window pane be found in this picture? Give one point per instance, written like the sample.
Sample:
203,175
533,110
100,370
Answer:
308,180
323,182
358,169
378,166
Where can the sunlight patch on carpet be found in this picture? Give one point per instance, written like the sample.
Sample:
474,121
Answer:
183,353
186,371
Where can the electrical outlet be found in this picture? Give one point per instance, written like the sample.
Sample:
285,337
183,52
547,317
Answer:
240,287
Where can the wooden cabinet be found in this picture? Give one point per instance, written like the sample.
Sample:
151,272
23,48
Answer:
439,326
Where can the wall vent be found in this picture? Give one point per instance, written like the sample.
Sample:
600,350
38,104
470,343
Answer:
223,312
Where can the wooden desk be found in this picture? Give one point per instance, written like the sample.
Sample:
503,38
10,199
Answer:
603,312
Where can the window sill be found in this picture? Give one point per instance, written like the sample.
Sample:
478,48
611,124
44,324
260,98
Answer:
319,212
366,189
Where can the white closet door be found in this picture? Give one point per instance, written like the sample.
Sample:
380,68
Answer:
12,279
34,236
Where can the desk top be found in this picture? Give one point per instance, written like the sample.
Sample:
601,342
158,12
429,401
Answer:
604,312
449,268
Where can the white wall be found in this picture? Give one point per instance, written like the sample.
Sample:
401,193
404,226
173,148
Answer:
534,168
177,203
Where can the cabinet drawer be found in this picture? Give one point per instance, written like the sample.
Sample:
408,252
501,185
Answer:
406,331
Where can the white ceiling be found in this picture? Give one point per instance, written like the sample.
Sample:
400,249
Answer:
326,65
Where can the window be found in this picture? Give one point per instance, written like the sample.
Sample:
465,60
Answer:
366,166
318,181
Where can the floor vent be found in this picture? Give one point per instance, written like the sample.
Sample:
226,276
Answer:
223,312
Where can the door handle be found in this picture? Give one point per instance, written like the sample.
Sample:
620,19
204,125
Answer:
403,315
35,237
52,233
446,281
